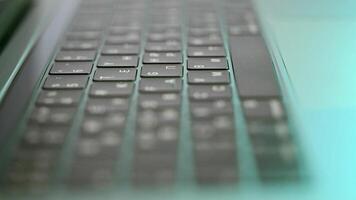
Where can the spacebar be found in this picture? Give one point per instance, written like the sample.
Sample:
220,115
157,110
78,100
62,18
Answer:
253,68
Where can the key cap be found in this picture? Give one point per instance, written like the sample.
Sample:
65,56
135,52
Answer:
161,71
147,161
160,85
131,38
71,68
162,58
76,56
98,148
210,51
201,32
209,92
213,40
80,45
46,137
101,106
91,175
161,37
154,169
83,35
208,77
216,130
207,63
52,115
155,101
205,110
126,49
216,174
95,126
215,156
121,74
255,76
262,129
66,82
263,109
123,30
118,61
59,98
121,89
243,30
151,143
170,46
276,162
90,24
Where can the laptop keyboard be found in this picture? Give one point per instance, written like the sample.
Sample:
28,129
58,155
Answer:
140,75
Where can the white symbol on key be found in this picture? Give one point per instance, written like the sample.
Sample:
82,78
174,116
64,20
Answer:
170,67
126,58
170,81
154,55
216,73
121,85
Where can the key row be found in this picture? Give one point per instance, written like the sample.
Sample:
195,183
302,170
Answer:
154,70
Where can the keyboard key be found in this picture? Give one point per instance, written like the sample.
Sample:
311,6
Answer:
162,58
121,89
59,98
44,137
209,92
75,56
216,174
161,71
161,37
52,115
208,77
120,30
201,32
126,49
164,141
121,74
276,162
83,35
263,109
80,45
71,68
99,126
207,63
213,40
255,76
160,85
206,110
66,82
106,142
170,46
118,61
243,30
101,106
130,38
155,101
210,51
260,127
91,174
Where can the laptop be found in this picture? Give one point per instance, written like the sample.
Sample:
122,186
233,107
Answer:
177,99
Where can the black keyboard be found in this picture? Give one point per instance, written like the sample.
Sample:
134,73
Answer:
140,78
